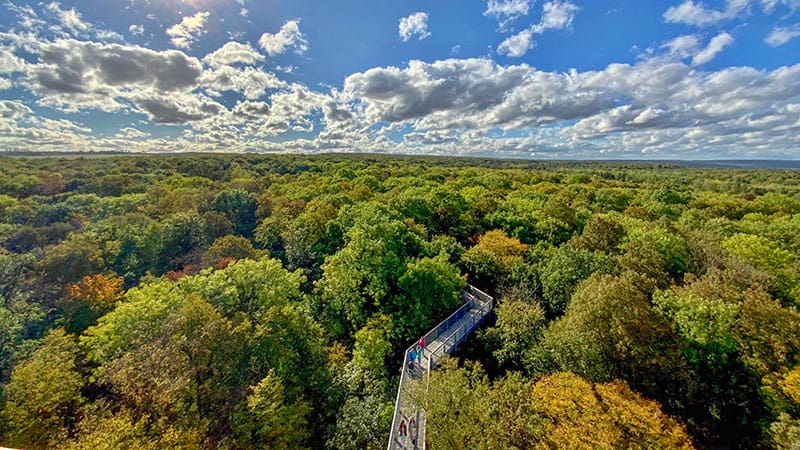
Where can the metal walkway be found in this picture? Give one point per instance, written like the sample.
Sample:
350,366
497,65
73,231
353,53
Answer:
408,423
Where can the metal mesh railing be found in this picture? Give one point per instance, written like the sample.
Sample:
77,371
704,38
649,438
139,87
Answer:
408,422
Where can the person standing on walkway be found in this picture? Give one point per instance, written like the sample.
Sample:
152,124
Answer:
412,355
418,353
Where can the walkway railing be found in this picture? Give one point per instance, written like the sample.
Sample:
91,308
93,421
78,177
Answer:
408,422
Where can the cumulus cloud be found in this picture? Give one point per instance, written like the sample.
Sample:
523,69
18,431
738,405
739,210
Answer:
136,30
9,62
507,11
653,105
249,81
555,16
67,22
289,37
10,109
176,108
716,45
69,19
233,52
185,33
453,89
697,14
108,35
769,5
682,46
27,18
74,74
414,24
251,110
131,133
781,35
518,44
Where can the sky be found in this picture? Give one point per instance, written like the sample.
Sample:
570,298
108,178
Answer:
561,79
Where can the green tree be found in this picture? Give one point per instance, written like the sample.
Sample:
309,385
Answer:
601,233
456,407
561,273
226,250
430,290
519,326
72,259
175,243
267,420
764,255
240,208
43,394
367,370
493,256
363,423
609,331
362,277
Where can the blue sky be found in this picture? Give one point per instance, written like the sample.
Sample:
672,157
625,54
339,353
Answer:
520,78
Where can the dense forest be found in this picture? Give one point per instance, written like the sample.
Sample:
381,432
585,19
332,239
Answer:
265,301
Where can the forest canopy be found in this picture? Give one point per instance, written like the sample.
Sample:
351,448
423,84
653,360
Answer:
244,301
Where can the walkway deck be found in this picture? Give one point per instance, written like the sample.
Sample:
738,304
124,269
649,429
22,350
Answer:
408,423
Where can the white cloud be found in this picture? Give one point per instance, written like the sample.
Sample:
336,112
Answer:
507,11
716,45
683,46
9,62
11,109
136,30
131,133
26,16
288,109
414,24
251,110
781,35
697,14
233,52
668,107
555,16
185,33
70,19
74,74
108,35
289,37
769,5
250,82
507,8
518,44
176,108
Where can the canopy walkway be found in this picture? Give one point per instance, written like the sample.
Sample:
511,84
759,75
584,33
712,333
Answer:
408,423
